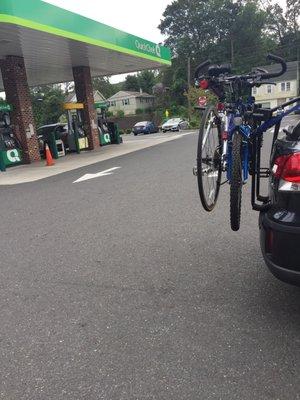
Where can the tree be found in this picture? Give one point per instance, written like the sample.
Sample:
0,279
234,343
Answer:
220,29
47,104
146,80
103,85
131,83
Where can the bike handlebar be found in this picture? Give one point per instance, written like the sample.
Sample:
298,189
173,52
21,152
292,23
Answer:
280,61
266,75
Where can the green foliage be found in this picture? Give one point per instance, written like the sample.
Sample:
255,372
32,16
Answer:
47,104
131,83
139,111
108,89
120,114
128,131
149,110
144,81
240,32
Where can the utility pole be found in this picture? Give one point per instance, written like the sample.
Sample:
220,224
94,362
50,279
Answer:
189,85
232,51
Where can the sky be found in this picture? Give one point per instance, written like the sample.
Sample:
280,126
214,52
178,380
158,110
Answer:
138,17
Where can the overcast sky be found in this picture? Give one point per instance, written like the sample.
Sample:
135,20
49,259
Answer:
138,17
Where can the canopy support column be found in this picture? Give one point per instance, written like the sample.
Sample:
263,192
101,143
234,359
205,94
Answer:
84,94
18,96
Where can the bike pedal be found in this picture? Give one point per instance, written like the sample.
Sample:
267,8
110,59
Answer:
195,171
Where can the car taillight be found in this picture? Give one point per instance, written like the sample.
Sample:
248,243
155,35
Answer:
287,169
204,84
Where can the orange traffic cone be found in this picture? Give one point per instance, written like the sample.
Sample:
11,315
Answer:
49,158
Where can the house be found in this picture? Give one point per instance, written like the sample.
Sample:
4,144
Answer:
287,86
129,102
98,97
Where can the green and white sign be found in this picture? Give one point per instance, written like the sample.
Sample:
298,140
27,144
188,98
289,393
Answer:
41,16
105,139
11,157
5,107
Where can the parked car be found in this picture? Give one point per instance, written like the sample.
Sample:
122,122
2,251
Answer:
280,224
175,125
145,127
60,130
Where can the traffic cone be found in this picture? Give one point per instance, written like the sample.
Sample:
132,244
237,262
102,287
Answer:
49,158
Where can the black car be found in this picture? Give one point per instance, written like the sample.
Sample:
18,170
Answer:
144,127
280,224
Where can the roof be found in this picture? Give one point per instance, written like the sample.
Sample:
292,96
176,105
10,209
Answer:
122,94
53,40
290,75
98,97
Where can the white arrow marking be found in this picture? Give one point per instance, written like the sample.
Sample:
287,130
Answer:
86,177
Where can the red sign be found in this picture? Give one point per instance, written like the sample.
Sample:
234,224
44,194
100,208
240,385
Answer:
202,101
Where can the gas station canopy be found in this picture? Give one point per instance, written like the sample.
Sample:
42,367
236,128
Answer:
52,41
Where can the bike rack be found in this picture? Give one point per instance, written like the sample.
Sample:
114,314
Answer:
257,171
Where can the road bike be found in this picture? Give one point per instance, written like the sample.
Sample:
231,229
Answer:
231,134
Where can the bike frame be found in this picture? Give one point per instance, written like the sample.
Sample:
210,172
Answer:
232,123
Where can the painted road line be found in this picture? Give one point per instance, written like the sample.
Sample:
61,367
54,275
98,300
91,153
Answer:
87,177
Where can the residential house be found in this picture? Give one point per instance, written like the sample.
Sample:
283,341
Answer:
98,97
286,88
129,102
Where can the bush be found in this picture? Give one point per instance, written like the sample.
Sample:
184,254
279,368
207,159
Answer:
120,114
149,110
121,132
109,114
139,111
128,131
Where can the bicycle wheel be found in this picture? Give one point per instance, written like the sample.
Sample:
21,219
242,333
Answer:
236,183
209,168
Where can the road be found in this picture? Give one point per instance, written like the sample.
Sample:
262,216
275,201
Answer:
122,287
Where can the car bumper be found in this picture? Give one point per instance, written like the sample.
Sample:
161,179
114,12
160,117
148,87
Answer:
280,245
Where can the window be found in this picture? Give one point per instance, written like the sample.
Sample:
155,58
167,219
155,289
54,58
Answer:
113,103
126,102
288,86
269,88
254,90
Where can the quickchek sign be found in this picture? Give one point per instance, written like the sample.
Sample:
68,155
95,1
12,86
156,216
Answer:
5,107
11,157
148,48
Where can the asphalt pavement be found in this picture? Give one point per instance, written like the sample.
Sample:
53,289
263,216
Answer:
122,287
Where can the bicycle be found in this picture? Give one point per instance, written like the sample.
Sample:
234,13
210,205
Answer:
231,135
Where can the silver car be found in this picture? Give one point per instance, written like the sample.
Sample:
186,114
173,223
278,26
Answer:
175,125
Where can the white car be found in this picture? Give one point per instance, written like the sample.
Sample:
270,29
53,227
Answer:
175,125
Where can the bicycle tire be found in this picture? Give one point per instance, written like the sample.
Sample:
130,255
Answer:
236,183
209,200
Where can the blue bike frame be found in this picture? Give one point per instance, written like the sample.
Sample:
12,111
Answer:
246,133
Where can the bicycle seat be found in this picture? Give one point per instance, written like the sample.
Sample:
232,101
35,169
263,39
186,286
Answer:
216,70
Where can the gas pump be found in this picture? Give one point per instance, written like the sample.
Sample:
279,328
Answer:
108,131
10,148
104,133
77,138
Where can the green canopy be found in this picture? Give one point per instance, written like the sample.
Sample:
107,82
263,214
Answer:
53,40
